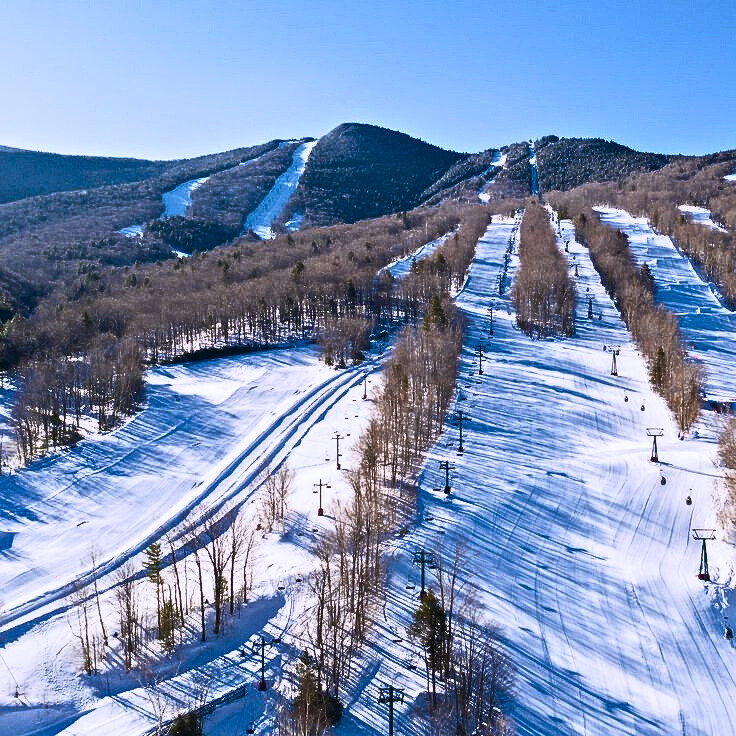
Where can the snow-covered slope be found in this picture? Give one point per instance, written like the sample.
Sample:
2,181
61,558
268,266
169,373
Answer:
177,201
708,327
263,216
701,215
568,538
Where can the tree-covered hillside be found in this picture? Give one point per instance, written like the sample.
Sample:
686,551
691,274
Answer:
358,171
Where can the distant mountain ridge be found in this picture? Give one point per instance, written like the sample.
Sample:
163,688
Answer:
59,214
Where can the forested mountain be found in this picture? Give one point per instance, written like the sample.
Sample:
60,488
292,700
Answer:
358,171
68,229
29,173
565,163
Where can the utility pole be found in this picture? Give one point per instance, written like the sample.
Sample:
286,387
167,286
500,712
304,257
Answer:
391,695
461,416
654,432
337,439
479,350
447,466
261,647
490,312
423,559
704,535
321,485
365,386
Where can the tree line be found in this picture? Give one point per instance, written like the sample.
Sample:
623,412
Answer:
543,293
87,352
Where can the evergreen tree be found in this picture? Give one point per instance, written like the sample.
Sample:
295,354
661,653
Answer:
153,565
435,315
313,710
429,628
186,725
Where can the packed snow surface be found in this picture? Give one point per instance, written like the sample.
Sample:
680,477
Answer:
708,327
568,538
730,177
177,201
499,162
134,231
270,207
701,215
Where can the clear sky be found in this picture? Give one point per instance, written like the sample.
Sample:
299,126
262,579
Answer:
175,78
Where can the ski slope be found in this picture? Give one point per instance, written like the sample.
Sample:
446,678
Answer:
401,267
708,327
270,207
569,539
700,215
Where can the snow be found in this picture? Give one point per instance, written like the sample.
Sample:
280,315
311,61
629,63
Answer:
271,206
569,539
708,327
499,162
701,215
177,201
400,267
134,231
534,173
730,177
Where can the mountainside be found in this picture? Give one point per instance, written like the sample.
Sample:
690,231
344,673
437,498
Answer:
29,173
565,163
358,171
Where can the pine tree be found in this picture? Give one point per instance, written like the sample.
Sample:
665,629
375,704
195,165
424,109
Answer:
429,628
153,565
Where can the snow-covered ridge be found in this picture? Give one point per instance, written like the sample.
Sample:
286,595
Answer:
271,206
730,177
700,215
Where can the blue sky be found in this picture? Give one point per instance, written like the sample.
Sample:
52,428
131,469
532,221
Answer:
166,78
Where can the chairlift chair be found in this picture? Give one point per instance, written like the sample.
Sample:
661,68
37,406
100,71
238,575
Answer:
251,728
688,501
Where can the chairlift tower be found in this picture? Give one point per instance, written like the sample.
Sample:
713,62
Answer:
391,695
654,432
337,437
590,300
318,489
615,350
479,351
704,535
423,559
447,466
260,647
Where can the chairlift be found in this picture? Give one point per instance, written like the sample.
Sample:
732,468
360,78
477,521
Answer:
251,728
688,501
626,398
642,407
411,584
428,517
281,585
662,480
728,633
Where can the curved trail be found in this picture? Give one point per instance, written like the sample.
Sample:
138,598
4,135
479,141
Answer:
265,445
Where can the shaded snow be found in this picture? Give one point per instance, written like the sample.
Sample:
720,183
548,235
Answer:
700,215
177,201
